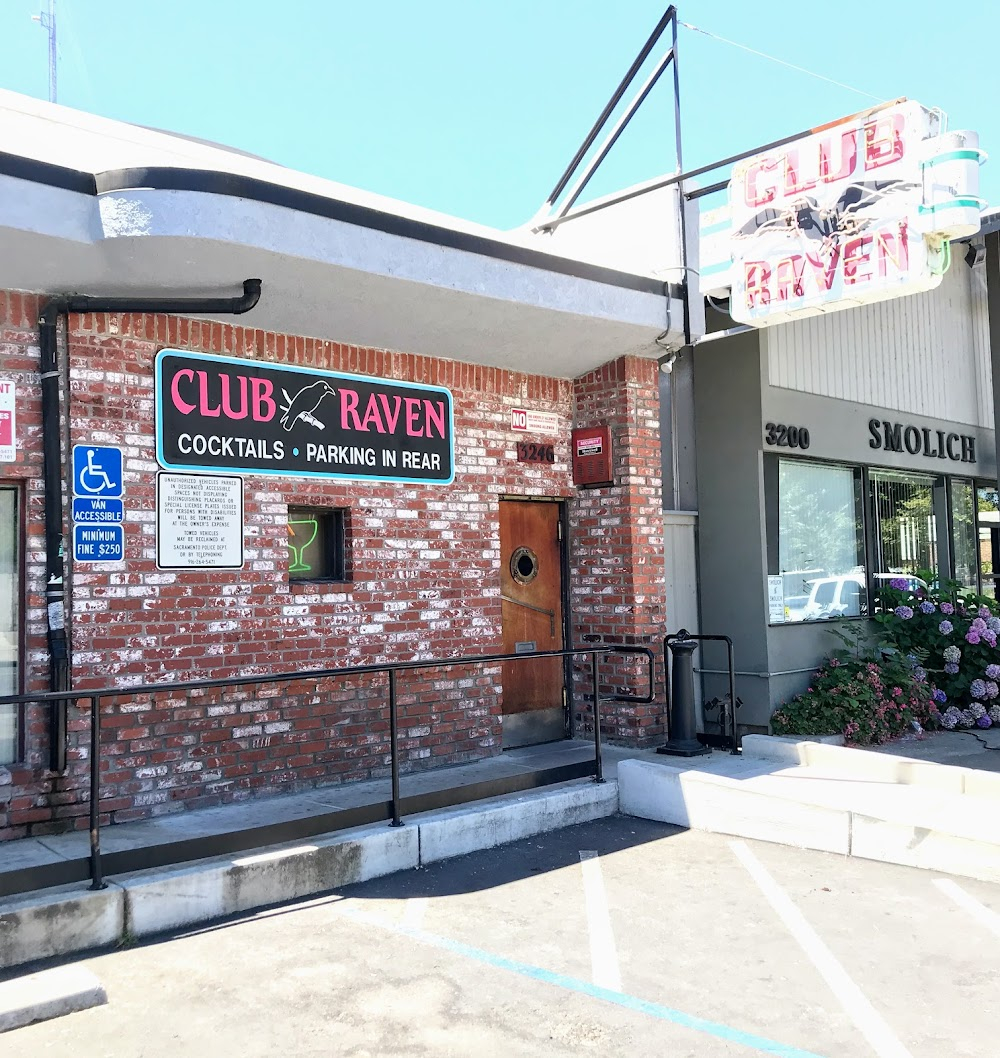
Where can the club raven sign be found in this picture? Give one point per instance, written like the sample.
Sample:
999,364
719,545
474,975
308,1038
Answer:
858,211
222,413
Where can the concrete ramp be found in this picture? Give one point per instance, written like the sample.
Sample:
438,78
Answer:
813,795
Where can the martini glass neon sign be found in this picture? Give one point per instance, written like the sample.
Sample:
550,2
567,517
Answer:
303,538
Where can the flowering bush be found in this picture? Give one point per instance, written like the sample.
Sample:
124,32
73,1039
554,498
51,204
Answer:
951,634
867,699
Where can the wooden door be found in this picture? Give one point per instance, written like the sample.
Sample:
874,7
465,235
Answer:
531,592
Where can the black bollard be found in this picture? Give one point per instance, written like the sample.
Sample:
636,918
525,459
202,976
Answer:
683,741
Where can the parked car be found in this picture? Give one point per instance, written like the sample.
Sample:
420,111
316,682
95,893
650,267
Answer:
846,595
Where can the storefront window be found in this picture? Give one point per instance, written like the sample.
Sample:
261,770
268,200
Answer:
10,599
963,534
820,541
988,525
925,528
906,536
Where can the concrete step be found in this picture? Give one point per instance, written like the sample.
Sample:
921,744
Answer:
851,762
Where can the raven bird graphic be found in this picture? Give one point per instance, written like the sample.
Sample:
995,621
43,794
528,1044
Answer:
304,403
825,223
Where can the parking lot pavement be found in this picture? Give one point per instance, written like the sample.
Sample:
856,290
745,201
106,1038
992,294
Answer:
614,937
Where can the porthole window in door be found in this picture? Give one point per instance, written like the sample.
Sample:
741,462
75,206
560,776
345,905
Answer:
523,565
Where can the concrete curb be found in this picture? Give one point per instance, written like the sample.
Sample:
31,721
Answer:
879,767
924,838
49,994
71,918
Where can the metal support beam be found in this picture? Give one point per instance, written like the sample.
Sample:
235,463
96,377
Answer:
616,97
612,138
680,178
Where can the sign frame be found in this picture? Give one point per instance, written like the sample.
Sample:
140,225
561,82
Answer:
263,390
854,212
117,531
8,420
181,567
98,469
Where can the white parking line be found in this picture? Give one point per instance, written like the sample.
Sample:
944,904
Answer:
875,1029
982,914
413,913
603,953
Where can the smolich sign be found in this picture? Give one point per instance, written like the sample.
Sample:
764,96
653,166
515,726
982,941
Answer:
221,413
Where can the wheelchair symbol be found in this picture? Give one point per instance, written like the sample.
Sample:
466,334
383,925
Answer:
97,471
93,472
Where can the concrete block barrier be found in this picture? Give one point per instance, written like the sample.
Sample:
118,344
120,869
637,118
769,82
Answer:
982,783
783,749
454,832
892,841
929,828
156,901
71,918
48,994
57,921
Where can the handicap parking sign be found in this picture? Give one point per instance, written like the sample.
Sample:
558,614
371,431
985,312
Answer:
97,471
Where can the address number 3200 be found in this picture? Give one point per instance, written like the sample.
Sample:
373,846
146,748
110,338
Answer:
786,436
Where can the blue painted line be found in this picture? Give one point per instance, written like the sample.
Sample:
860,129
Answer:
575,984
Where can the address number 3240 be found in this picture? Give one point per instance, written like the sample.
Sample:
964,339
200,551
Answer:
777,433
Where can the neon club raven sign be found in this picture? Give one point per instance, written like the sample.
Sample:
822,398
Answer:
859,211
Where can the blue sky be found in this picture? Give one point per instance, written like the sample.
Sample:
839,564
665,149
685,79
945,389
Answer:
475,108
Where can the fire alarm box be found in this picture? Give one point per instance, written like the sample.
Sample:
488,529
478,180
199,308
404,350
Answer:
592,456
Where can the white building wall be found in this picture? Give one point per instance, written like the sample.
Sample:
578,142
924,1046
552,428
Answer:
981,344
926,353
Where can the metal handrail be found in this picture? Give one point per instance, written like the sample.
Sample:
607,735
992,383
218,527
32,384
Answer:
95,696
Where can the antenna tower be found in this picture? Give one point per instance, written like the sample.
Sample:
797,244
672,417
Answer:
47,20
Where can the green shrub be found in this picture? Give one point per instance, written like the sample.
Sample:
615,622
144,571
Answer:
867,699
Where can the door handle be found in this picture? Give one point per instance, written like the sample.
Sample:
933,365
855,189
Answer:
550,614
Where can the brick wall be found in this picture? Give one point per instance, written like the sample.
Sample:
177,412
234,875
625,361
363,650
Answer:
423,581
617,590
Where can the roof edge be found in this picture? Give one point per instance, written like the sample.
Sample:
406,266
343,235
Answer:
216,182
